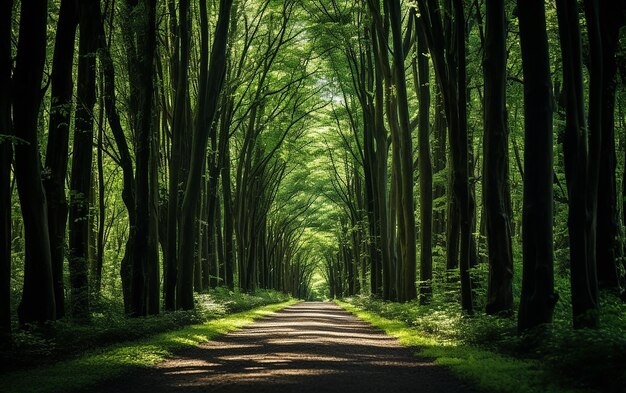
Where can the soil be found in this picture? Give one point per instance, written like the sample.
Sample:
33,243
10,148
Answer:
308,347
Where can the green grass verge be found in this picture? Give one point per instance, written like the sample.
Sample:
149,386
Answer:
91,369
489,371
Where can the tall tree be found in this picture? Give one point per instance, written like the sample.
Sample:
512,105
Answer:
214,84
38,304
421,72
609,247
143,256
6,158
538,297
496,164
447,49
58,142
582,147
81,182
407,232
178,130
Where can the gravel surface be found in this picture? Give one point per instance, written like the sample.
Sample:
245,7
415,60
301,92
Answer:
308,347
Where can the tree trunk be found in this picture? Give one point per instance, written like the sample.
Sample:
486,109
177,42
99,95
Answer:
58,141
153,277
421,72
178,132
80,183
406,175
439,162
142,253
229,255
38,304
496,165
96,279
577,163
6,157
609,247
214,83
538,298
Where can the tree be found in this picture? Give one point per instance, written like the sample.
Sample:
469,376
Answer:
407,229
538,297
496,164
80,183
208,106
447,49
6,158
421,71
144,256
179,124
58,142
609,247
38,303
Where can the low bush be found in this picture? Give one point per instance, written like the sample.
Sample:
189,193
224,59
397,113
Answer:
108,325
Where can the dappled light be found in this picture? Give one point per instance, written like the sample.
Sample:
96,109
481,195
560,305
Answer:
304,348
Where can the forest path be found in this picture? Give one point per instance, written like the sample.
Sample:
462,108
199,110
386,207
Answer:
308,347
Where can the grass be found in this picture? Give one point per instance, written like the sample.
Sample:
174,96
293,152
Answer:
99,366
488,370
64,339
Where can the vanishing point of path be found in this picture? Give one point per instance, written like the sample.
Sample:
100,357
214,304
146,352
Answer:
308,347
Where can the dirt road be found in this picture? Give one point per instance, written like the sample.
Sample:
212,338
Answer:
308,347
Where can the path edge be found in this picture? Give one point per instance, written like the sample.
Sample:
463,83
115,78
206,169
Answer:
115,361
483,370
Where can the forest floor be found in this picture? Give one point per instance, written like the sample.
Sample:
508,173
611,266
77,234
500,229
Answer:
307,347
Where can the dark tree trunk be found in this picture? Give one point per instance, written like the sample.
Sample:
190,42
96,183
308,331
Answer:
96,279
609,247
214,83
461,162
212,186
153,276
37,303
58,141
578,167
80,183
229,256
142,261
422,74
409,291
178,132
496,164
538,298
6,157
447,48
439,162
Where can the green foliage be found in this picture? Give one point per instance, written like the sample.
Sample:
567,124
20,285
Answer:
64,338
98,366
487,349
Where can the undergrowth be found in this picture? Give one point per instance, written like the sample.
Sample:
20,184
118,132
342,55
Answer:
588,360
65,339
98,366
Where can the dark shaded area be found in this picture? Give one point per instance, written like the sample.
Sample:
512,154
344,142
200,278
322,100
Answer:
309,347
